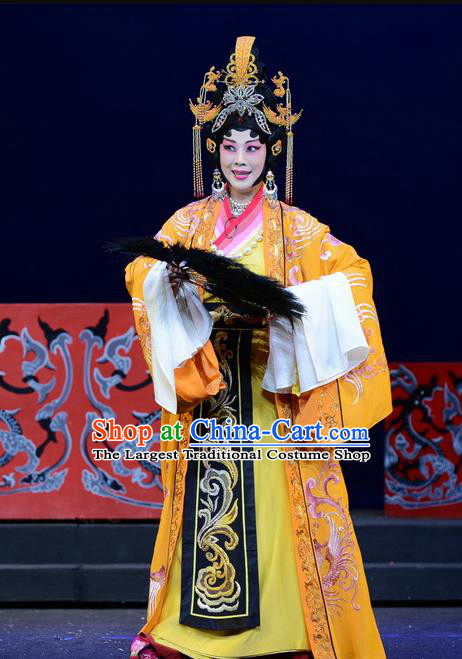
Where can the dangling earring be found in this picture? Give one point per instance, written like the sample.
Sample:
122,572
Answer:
270,190
218,187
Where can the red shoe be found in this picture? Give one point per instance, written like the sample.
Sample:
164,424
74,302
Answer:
144,647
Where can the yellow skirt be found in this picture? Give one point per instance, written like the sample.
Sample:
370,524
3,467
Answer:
282,626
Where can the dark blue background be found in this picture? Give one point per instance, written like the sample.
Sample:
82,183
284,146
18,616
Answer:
96,143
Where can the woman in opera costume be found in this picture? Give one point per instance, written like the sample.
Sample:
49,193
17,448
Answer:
257,557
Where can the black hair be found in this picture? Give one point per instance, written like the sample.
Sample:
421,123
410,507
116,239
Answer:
246,121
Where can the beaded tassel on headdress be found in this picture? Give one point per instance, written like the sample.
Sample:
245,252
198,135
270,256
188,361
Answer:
203,112
290,168
290,149
198,181
284,117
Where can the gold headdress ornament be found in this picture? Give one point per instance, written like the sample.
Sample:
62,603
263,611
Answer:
241,78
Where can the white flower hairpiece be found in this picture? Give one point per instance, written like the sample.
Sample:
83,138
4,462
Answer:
241,98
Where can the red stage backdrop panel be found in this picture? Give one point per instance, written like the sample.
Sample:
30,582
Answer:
423,451
61,366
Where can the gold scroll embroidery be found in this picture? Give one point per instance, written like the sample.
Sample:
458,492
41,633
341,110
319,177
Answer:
216,585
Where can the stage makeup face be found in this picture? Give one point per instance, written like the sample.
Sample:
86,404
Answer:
242,158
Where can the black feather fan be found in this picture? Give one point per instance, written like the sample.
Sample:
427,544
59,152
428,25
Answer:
221,276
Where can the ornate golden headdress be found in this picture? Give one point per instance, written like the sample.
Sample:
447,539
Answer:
241,78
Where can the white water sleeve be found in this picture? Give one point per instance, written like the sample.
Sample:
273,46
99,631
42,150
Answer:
321,347
180,326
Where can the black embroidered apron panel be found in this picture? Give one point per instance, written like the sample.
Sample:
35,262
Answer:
219,576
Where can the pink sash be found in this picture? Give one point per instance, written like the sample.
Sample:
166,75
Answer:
243,227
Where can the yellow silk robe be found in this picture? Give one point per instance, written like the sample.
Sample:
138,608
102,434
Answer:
334,593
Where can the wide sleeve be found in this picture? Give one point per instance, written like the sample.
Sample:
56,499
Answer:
173,334
364,391
323,345
335,353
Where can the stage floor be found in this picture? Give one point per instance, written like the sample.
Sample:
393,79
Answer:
407,633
